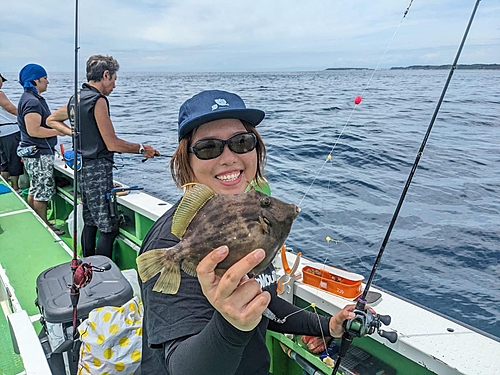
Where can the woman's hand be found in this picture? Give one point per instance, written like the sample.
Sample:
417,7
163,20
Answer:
239,299
316,344
336,322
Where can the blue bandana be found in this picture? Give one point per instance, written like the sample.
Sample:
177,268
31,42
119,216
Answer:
29,73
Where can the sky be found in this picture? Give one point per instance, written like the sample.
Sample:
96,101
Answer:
249,36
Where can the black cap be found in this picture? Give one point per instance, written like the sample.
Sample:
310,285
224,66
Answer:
3,78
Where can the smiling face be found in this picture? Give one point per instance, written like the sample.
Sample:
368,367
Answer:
229,173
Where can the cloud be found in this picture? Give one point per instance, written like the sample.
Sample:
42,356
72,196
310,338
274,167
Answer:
239,35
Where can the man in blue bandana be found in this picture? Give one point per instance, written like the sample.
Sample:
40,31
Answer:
37,139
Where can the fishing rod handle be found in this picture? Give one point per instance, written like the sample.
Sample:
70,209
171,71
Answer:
113,209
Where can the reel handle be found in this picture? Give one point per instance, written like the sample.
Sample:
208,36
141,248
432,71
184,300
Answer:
391,336
105,267
385,319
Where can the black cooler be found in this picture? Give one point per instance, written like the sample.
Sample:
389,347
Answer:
108,288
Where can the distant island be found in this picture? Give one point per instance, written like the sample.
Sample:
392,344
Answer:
348,69
448,66
433,67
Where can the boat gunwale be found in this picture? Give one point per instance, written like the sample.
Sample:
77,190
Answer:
437,354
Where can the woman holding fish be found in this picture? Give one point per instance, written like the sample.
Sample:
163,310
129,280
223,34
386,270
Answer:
208,319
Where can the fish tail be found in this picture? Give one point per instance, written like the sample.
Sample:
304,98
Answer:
152,262
169,280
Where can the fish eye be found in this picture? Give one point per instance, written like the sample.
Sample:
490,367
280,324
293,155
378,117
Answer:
265,202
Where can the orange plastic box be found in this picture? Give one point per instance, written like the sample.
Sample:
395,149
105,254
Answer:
334,280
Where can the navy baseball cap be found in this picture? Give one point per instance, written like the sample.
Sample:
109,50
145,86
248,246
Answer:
214,105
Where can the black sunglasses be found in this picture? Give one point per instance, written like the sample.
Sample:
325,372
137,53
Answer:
207,149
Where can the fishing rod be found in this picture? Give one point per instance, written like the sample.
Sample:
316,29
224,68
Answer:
365,322
82,272
75,262
157,156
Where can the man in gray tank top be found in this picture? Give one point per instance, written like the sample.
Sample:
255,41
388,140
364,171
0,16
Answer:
97,145
10,163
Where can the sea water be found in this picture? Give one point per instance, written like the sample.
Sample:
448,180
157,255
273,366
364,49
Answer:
444,251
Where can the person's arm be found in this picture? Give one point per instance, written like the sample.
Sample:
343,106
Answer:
239,303
315,328
308,323
302,322
56,121
6,104
113,143
218,347
33,123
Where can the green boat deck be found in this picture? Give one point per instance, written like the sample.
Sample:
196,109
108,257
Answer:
26,249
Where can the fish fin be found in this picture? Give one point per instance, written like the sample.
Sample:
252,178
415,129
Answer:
189,268
150,263
192,201
259,184
169,280
263,224
250,186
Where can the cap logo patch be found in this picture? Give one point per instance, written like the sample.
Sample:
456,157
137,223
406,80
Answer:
219,103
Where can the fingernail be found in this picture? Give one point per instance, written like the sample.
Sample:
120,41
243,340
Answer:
259,254
222,250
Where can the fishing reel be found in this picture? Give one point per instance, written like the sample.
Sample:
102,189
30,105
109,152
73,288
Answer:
365,323
82,274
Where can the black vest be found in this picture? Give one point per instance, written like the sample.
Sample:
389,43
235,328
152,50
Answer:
91,144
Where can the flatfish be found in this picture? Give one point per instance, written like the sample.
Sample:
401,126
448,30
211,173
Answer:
204,221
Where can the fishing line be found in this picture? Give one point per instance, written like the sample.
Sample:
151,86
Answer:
295,312
357,101
313,305
352,329
322,278
270,315
329,239
119,166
